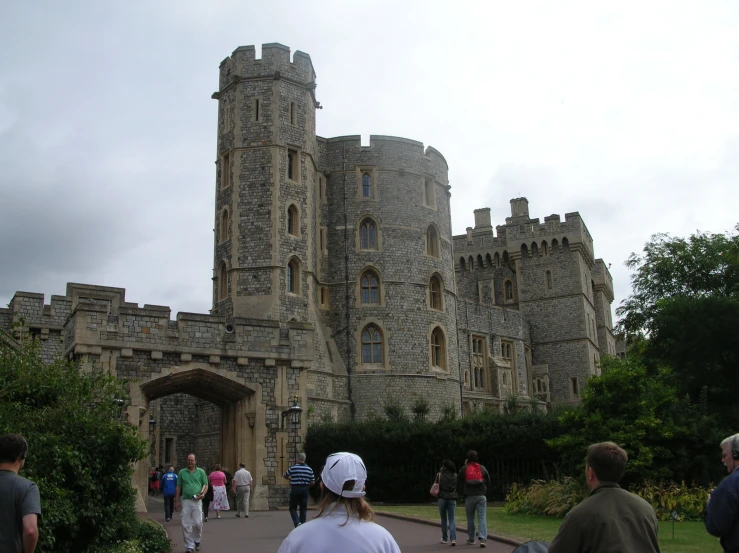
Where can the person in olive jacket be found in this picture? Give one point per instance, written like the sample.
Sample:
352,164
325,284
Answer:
722,511
610,519
447,479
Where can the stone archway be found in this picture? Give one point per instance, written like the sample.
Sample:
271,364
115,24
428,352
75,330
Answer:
242,417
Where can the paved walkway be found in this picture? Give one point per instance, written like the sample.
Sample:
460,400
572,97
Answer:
264,531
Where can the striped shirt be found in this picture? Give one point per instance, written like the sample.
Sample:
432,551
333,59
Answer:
299,475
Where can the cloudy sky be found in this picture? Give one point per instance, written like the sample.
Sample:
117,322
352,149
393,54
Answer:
628,114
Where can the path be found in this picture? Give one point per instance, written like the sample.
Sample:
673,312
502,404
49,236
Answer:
264,531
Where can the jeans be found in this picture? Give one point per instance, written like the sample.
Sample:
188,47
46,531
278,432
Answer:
447,507
477,503
192,522
168,507
298,498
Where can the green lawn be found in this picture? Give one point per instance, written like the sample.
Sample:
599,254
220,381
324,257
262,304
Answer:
690,537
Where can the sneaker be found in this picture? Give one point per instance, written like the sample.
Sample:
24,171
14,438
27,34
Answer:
444,541
470,542
483,544
197,546
188,550
246,516
454,543
167,520
238,515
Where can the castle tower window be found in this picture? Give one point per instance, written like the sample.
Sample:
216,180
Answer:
477,378
462,264
438,348
489,260
505,258
368,235
471,263
565,243
550,284
555,245
480,263
323,240
524,250
506,350
371,345
508,287
544,249
534,249
496,259
574,388
223,236
435,293
370,288
292,165
225,171
432,242
293,114
222,281
429,198
293,277
256,108
367,186
293,221
479,358
324,297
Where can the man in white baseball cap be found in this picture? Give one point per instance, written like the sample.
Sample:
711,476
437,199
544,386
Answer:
345,519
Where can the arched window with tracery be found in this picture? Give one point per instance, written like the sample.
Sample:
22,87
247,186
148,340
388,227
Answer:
370,285
371,345
438,348
368,235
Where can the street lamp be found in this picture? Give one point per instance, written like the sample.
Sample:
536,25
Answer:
293,412
152,423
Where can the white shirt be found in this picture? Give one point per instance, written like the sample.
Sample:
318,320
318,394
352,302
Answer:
242,477
326,534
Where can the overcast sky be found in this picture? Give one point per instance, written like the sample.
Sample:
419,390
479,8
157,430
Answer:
628,114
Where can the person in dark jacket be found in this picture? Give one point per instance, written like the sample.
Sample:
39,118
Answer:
474,482
722,511
447,479
610,519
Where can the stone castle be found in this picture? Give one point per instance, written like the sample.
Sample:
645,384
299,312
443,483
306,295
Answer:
337,287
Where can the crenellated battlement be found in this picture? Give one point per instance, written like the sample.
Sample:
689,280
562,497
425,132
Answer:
275,63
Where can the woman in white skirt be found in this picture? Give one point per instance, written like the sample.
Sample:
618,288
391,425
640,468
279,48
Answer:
220,496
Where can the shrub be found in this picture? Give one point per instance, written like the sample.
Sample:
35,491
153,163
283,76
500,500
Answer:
688,502
153,538
550,498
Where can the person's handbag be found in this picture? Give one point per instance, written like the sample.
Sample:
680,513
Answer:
435,486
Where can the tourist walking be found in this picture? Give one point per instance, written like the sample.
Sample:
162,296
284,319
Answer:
722,511
207,499
610,518
447,478
301,478
345,519
220,495
474,482
241,487
192,483
168,485
20,501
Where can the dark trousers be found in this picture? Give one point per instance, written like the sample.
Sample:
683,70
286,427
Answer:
298,498
206,507
168,507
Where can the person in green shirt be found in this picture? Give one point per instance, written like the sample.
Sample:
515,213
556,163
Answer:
192,483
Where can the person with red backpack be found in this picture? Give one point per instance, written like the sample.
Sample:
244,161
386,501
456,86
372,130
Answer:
474,481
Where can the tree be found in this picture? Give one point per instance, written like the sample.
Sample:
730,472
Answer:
666,438
80,454
684,312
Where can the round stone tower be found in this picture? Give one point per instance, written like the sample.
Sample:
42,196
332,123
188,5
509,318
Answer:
390,272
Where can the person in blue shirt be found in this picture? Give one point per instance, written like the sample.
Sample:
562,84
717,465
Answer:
168,485
722,511
301,479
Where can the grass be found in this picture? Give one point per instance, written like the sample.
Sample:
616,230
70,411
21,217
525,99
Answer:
690,537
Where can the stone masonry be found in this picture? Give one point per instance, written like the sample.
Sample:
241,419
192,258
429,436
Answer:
337,287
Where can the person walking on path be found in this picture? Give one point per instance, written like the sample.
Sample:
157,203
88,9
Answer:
610,519
722,510
301,478
447,479
168,485
20,501
192,483
241,486
345,519
474,482
220,495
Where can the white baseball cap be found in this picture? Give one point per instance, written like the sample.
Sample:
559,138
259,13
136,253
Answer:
341,467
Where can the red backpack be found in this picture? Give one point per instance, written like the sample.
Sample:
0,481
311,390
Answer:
473,473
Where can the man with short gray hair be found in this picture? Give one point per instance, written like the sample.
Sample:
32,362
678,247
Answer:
722,511
301,479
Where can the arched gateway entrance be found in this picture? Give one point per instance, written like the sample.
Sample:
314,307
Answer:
242,415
